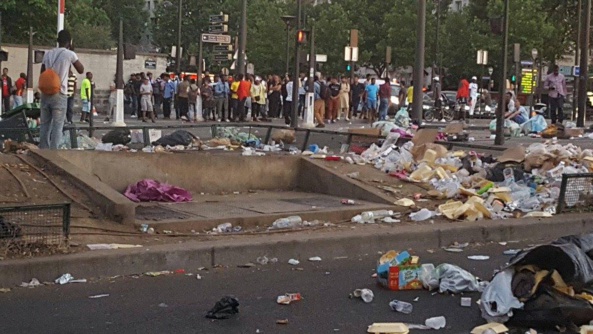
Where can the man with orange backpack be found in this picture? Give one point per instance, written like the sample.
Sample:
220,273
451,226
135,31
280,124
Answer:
53,84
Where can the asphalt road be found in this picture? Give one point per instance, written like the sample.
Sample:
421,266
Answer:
135,305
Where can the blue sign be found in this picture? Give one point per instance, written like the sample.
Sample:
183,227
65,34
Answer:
576,71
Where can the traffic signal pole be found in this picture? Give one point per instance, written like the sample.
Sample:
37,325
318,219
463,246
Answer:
294,122
499,139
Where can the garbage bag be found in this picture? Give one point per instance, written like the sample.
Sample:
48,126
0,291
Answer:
179,137
571,256
497,298
153,191
549,308
402,118
9,230
535,124
224,308
117,137
495,173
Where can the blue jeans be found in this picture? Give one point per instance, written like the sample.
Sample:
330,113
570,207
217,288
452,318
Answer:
372,104
53,113
383,109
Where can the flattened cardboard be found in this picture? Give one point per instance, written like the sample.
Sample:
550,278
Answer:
454,128
513,154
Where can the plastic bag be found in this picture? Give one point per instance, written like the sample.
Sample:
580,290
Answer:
402,118
179,137
428,277
455,279
498,300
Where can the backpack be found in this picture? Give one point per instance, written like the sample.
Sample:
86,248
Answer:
156,87
323,90
49,81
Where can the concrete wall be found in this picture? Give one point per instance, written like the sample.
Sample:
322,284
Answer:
101,62
204,172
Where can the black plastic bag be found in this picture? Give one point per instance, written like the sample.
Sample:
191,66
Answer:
224,308
495,173
117,137
9,230
179,137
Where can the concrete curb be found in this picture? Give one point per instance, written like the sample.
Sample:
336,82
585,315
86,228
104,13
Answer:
232,250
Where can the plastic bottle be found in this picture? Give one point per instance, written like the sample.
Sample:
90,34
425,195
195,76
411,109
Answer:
367,295
357,219
421,215
288,222
401,307
557,171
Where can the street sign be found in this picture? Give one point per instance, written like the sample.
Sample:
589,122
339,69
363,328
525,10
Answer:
250,69
482,57
150,64
222,57
219,18
576,71
214,38
319,58
223,48
351,53
218,29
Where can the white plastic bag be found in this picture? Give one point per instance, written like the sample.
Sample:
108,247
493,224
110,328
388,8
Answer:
498,300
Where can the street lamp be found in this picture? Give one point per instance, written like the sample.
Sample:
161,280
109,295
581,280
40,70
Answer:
534,55
288,19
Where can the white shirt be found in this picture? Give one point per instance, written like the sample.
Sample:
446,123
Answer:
473,90
60,60
289,91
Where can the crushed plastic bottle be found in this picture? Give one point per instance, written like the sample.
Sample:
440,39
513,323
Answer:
224,228
369,216
421,215
401,307
288,222
436,322
367,295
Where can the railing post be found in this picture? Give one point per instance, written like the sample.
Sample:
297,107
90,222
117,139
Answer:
562,194
306,141
73,138
146,136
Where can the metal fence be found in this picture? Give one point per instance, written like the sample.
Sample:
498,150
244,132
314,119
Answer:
576,193
35,224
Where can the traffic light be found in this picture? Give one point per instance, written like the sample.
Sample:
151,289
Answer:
513,79
348,68
301,36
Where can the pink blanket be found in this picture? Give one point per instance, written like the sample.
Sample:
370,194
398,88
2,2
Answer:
153,191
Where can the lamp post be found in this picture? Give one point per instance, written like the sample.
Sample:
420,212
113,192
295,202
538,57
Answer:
419,64
499,139
437,65
534,54
240,69
490,71
178,51
288,19
584,59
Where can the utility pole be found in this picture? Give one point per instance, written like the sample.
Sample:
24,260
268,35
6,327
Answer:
584,67
242,39
2,111
499,139
30,67
575,88
118,118
436,66
61,10
310,96
419,65
178,50
295,87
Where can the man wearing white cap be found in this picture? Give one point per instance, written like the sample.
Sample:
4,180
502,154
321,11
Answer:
473,95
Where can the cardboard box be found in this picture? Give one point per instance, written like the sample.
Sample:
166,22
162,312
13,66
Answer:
365,131
573,132
400,277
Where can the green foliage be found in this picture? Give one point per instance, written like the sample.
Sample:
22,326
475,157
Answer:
90,26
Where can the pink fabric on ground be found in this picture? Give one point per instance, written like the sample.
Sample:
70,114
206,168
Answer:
153,191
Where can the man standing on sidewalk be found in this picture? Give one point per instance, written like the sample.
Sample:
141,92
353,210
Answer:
555,83
53,107
319,104
384,98
221,96
72,80
85,97
168,93
243,92
6,88
20,85
473,95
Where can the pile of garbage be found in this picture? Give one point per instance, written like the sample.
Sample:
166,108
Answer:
478,186
545,287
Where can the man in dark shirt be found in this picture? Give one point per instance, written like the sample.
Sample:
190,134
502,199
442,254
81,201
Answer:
357,94
384,99
334,99
137,83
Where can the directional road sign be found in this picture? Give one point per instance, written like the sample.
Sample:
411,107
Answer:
223,57
214,38
219,18
223,48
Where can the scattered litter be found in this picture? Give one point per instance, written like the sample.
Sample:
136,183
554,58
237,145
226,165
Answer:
163,305
354,175
366,295
167,232
315,259
466,301
538,214
448,277
4,290
422,215
99,296
282,322
224,308
288,298
34,282
479,257
401,265
111,246
405,202
503,243
511,251
436,322
348,202
223,228
388,327
148,190
401,307
494,326
263,260
416,299
67,278
198,277
247,265
293,262
389,220
454,250
288,222
157,273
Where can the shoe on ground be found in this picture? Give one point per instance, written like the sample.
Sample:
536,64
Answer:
443,120
227,120
133,116
347,119
320,126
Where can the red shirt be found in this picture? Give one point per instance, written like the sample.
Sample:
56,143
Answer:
385,91
244,90
463,91
20,86
5,88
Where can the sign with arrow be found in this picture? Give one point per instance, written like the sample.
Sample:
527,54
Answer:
214,38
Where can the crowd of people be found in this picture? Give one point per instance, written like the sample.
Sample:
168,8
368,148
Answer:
14,90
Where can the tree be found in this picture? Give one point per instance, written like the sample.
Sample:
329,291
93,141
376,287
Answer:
22,14
90,27
134,15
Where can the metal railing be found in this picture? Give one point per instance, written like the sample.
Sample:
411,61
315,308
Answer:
47,224
576,193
